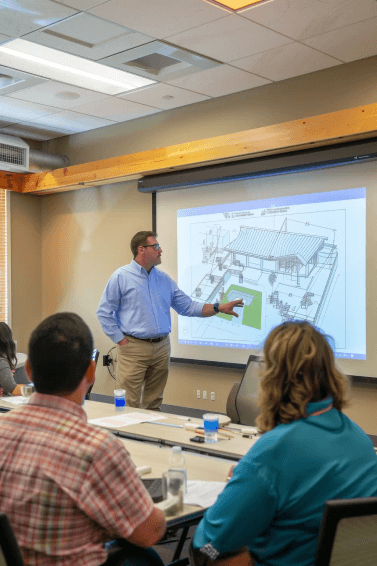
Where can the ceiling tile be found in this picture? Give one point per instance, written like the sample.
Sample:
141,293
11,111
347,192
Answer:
159,19
229,39
21,111
286,62
19,17
220,81
72,121
82,5
301,19
12,80
86,35
4,38
59,95
33,132
164,96
342,43
116,109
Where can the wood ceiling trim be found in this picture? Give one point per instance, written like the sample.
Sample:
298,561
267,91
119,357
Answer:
326,129
13,181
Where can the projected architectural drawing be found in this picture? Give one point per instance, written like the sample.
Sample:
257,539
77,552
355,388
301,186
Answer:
285,262
296,271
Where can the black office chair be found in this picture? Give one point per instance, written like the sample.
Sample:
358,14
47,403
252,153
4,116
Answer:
241,405
348,533
10,553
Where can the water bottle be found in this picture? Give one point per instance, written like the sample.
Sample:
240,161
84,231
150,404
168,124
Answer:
177,462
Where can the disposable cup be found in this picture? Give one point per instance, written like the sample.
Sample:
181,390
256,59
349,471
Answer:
120,399
173,488
211,426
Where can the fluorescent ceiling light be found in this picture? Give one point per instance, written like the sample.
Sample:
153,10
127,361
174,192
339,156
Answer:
236,5
65,68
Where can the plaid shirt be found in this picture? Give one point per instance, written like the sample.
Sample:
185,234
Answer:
66,486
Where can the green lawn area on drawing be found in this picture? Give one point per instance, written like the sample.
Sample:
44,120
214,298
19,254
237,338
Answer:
252,314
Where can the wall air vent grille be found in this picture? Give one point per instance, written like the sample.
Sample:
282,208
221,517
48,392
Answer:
13,155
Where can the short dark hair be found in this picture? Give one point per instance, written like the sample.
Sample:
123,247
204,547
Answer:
7,345
60,351
141,239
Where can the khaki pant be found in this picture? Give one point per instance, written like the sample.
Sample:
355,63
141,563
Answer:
143,371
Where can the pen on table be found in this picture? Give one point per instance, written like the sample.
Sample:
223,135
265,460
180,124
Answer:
165,424
200,432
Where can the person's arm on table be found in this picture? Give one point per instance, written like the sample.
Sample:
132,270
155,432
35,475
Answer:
115,498
107,307
228,526
7,382
151,531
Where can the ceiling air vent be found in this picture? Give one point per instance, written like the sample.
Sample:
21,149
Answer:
14,154
160,60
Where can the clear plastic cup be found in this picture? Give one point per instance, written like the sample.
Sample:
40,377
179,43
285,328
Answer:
27,391
120,399
173,489
211,426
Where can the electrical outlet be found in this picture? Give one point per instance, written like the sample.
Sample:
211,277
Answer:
198,393
212,396
204,394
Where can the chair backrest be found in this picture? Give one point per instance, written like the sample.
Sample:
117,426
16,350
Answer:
20,373
348,533
246,397
10,554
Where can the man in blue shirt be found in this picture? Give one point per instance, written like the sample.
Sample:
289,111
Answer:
134,312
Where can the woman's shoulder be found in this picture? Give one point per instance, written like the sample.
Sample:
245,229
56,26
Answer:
4,364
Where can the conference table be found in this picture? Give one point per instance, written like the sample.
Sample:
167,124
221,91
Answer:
149,444
168,429
165,429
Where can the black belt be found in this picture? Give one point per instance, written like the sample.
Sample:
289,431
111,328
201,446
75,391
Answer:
153,340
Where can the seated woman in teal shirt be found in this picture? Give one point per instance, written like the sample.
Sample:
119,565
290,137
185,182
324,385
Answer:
309,452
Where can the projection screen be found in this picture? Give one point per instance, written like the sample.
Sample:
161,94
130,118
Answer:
295,246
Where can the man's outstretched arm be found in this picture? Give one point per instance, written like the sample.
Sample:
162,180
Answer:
225,308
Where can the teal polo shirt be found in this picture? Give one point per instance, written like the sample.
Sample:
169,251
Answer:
275,499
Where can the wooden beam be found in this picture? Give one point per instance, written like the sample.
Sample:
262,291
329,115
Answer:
316,131
12,181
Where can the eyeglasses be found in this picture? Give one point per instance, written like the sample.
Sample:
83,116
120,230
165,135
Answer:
155,246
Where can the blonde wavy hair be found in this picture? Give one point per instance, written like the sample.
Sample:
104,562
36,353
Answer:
299,368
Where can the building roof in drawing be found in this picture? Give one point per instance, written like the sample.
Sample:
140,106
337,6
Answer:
273,244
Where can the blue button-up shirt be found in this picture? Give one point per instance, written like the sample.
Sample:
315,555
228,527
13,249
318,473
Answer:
138,304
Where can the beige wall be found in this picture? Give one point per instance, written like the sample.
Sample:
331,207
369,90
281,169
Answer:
85,238
85,234
26,266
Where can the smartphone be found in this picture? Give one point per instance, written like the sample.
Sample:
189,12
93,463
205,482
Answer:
199,439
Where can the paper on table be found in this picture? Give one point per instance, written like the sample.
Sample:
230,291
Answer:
14,400
203,493
127,419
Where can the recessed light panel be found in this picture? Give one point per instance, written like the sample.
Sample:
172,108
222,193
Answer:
63,67
236,5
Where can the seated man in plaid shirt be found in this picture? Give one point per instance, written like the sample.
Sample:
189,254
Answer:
67,486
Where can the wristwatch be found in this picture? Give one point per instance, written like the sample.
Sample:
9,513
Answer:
216,307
